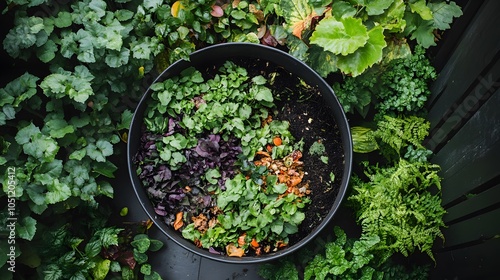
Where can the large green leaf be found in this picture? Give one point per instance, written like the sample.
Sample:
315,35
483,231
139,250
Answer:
422,9
342,9
57,192
377,7
365,56
393,19
444,14
343,36
26,228
420,30
47,52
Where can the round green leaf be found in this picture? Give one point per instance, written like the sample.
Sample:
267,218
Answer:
356,63
342,36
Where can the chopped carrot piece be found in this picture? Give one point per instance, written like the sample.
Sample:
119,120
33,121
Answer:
254,243
178,221
277,141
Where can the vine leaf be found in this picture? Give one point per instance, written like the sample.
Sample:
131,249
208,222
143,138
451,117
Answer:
298,15
422,9
377,7
365,56
342,9
393,18
26,228
343,36
444,14
323,62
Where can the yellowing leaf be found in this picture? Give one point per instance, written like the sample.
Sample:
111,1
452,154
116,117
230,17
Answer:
176,7
234,251
298,15
422,9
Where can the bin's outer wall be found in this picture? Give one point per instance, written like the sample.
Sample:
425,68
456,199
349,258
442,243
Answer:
218,53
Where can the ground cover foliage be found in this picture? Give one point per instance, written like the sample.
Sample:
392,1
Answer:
63,121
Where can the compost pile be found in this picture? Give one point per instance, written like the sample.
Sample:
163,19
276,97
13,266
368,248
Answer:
232,158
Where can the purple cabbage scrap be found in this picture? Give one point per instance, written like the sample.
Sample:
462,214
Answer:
168,190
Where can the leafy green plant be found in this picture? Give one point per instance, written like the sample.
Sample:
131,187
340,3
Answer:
404,84
396,204
340,258
62,129
392,136
350,36
343,258
87,247
399,86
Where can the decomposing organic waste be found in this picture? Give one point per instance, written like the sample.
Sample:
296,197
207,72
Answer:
222,168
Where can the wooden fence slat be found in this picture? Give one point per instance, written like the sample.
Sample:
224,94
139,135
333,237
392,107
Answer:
471,157
478,228
475,173
476,49
481,261
482,90
474,204
480,132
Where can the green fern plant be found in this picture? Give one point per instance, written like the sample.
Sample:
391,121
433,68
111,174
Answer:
396,204
394,134
394,137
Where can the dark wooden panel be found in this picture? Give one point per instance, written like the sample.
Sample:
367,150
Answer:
471,157
476,49
483,89
484,200
481,227
476,172
480,132
481,261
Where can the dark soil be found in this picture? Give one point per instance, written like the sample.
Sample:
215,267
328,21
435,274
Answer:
310,120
